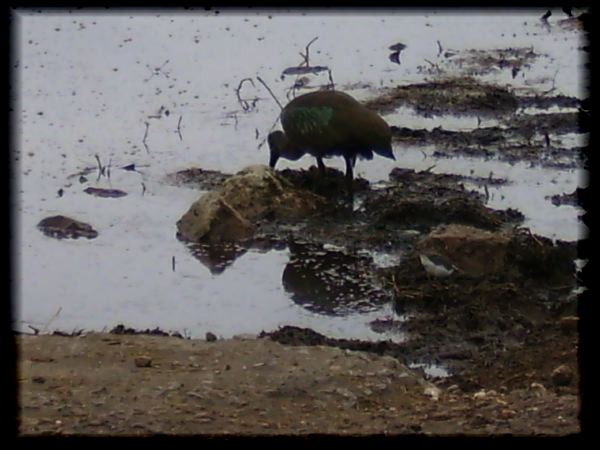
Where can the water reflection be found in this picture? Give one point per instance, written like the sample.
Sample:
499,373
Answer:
330,282
218,257
323,281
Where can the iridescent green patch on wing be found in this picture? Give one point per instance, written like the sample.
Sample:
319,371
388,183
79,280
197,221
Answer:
307,120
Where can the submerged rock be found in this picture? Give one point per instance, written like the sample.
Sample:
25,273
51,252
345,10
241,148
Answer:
62,227
232,213
105,193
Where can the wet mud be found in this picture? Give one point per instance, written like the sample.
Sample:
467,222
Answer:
521,135
500,329
459,95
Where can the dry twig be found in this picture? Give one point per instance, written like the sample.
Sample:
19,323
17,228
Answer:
52,319
270,91
179,128
146,136
306,55
242,102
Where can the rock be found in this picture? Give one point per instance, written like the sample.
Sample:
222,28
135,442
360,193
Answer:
538,389
507,413
481,395
143,361
232,213
62,227
257,191
433,392
211,337
453,389
213,220
474,251
569,324
562,375
105,193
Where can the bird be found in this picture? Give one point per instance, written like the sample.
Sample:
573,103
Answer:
330,123
437,265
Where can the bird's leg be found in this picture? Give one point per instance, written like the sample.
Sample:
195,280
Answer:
350,176
321,166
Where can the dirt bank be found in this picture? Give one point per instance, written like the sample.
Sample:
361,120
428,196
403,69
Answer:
107,384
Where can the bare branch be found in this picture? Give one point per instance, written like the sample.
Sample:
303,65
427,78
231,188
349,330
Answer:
306,55
267,135
244,103
52,319
101,168
145,136
179,128
108,168
269,89
156,71
331,84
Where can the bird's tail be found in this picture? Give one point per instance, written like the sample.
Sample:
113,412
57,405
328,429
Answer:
385,151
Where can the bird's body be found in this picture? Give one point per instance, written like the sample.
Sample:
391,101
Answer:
330,123
437,265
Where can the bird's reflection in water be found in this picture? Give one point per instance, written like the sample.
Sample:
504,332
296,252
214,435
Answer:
218,257
322,281
330,282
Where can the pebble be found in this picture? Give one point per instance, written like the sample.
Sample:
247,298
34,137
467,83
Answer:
453,388
569,323
507,413
433,392
143,361
562,375
538,389
480,395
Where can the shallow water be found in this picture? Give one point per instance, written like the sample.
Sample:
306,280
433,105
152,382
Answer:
158,90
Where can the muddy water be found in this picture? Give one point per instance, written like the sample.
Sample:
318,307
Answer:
159,91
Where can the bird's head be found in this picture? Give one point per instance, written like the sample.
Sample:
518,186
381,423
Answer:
277,142
282,147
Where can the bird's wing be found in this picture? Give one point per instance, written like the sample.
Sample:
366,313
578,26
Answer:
364,130
307,120
310,125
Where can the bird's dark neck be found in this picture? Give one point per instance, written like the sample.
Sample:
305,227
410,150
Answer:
291,151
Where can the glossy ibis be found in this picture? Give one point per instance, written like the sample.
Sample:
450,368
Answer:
330,123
